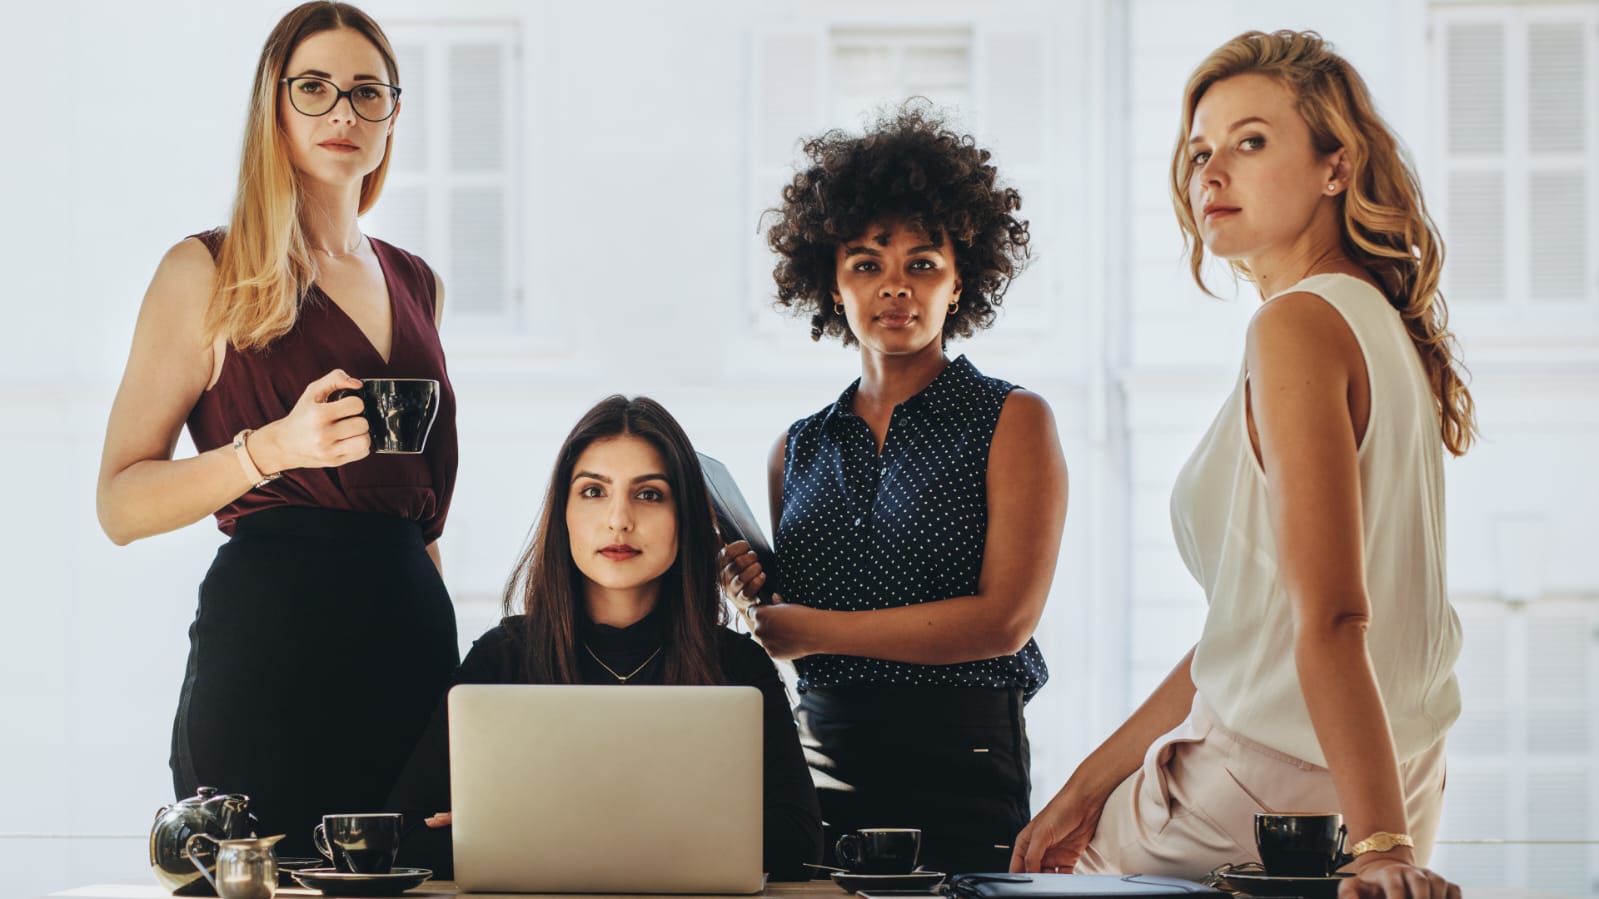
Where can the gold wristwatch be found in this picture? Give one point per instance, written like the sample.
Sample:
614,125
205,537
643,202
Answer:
1381,841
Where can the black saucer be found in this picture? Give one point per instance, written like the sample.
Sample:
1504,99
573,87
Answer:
1266,886
915,880
333,882
287,867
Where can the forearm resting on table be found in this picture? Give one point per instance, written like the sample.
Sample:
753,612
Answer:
153,496
945,632
1351,723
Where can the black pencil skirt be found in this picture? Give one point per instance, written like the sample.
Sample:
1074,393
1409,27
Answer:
952,761
322,642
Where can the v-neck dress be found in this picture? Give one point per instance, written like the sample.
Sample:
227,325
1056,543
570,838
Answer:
323,615
261,386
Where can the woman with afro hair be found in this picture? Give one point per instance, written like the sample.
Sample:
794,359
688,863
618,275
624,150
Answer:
919,516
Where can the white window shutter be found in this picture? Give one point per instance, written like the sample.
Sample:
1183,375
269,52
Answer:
1558,114
411,130
1557,111
478,112
477,249
1475,258
1475,73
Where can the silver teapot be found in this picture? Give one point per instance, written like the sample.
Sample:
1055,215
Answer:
221,816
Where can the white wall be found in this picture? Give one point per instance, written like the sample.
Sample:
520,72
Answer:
637,208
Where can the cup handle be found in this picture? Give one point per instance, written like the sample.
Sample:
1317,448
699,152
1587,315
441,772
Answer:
188,853
848,850
1340,857
319,836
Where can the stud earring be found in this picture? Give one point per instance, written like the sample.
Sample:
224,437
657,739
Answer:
1332,186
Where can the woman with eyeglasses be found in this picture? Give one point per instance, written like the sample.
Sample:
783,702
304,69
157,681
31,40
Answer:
324,615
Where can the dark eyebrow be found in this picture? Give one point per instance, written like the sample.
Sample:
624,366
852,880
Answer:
859,251
318,73
924,248
605,479
1247,120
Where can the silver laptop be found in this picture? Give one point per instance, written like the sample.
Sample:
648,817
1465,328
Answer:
598,789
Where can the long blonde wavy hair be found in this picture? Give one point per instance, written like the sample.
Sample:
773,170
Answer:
265,264
1386,228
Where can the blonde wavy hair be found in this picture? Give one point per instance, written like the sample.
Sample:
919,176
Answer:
265,264
1386,228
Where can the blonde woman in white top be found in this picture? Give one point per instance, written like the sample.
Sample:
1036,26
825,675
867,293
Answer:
1312,512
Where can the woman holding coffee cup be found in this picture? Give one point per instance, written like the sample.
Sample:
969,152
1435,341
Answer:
919,516
1312,512
325,611
618,586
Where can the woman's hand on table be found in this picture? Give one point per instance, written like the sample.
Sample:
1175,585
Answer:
1055,839
741,575
1388,877
437,820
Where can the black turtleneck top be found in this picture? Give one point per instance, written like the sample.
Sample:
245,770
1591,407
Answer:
792,821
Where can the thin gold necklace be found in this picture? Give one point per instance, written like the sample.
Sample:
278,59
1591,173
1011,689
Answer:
623,678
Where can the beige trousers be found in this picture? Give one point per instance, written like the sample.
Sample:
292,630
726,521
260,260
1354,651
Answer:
1191,807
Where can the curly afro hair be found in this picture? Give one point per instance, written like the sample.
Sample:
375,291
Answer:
912,168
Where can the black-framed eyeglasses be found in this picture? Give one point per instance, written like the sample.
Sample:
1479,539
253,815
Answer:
371,100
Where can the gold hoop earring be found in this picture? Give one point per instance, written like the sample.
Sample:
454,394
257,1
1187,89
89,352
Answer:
838,309
954,307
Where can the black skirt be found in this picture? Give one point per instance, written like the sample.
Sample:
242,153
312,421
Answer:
322,642
952,761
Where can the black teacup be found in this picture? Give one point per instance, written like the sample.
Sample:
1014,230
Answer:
398,411
1301,844
359,844
880,850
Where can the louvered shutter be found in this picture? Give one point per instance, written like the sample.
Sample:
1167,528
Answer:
1475,85
1558,112
450,192
1520,202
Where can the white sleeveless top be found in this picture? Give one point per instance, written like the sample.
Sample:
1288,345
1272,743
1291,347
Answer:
1244,662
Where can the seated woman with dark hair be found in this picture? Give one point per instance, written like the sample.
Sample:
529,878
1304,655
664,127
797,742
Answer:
618,586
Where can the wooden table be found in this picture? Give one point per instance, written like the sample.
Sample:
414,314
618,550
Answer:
814,889
433,889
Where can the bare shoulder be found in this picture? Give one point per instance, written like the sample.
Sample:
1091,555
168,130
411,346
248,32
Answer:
1025,415
1301,331
185,278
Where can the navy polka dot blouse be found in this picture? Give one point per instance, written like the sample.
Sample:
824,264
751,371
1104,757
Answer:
862,531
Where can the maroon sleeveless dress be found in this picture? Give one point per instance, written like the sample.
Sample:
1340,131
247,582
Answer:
324,635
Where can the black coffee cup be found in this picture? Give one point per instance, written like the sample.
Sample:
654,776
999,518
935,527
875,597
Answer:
1301,844
359,843
399,412
880,850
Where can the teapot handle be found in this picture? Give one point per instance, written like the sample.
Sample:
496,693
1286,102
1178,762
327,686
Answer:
188,852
